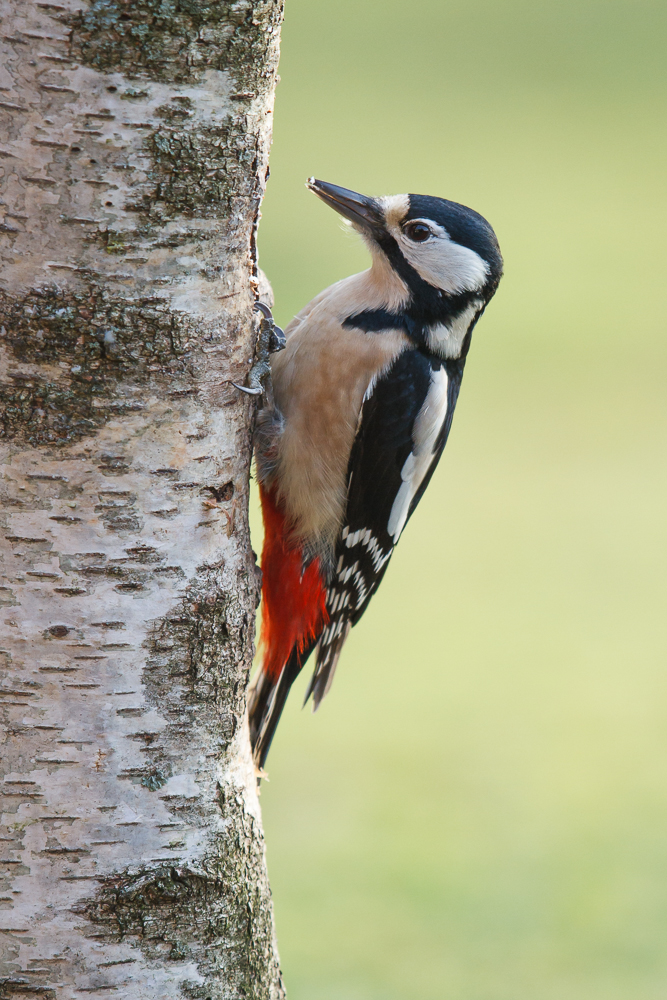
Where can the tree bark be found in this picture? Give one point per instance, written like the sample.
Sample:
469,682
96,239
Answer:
133,152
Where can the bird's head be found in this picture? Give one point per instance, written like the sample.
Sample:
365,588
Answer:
446,254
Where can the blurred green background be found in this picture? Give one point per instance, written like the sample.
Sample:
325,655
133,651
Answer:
479,810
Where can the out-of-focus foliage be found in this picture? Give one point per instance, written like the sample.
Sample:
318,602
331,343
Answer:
479,810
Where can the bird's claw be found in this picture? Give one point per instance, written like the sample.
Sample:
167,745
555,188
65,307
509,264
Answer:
249,392
274,335
270,340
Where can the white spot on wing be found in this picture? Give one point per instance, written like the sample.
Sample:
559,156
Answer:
427,427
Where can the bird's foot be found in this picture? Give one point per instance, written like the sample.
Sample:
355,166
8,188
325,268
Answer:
270,340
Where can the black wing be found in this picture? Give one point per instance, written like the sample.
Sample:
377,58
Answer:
391,422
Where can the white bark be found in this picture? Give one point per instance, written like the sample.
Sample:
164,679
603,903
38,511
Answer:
134,148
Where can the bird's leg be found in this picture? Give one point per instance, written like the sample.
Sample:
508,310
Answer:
270,340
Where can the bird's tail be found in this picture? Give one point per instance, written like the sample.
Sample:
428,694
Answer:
330,647
266,700
293,615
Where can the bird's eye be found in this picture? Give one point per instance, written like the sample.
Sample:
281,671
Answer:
417,232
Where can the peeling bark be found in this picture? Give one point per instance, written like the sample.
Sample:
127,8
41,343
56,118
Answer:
133,156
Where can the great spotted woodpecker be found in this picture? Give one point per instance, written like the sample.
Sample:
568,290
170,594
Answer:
364,394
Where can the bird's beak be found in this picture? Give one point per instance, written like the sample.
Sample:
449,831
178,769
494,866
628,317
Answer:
361,210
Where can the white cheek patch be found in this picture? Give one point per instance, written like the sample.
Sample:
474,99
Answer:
445,264
439,261
424,435
447,341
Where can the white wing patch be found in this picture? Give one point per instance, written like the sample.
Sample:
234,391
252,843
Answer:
425,434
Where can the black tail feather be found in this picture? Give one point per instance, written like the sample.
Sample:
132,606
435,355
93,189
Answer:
259,695
328,654
266,701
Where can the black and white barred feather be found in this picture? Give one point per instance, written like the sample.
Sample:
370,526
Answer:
387,441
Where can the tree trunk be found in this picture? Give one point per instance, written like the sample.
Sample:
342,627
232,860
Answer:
133,154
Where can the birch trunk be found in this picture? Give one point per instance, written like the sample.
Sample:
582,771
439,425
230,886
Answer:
133,153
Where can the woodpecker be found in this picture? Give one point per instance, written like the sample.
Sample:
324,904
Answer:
363,398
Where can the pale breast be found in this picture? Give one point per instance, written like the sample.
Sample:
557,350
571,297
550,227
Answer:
319,383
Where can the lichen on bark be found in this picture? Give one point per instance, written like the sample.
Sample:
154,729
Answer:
133,158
